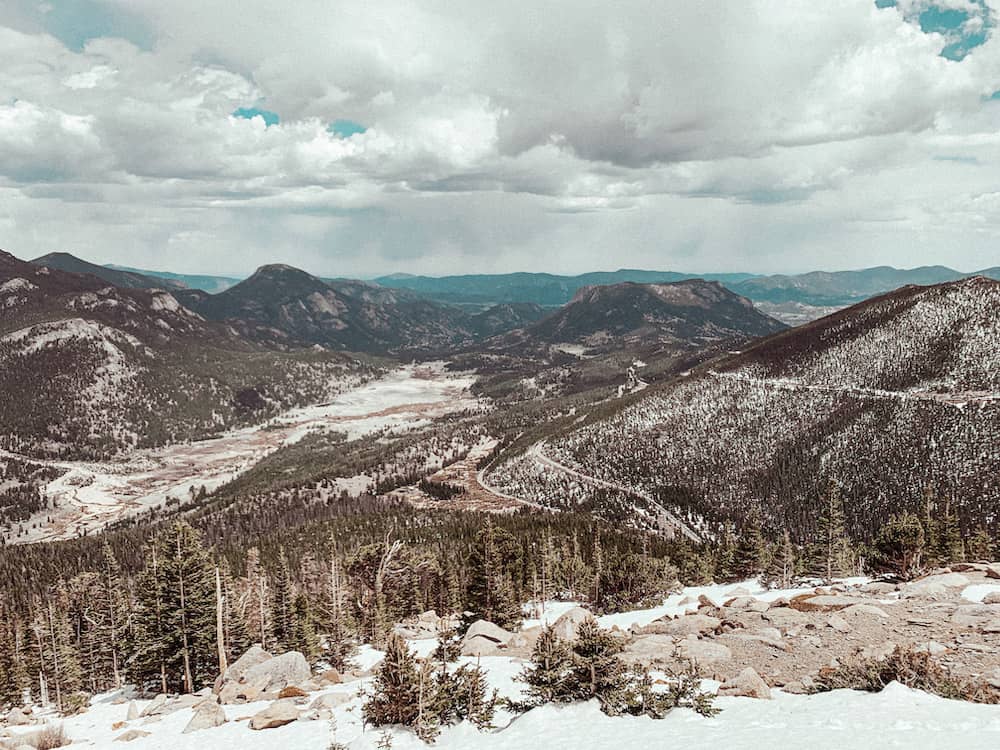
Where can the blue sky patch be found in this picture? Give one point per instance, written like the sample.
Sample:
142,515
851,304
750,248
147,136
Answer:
345,128
248,113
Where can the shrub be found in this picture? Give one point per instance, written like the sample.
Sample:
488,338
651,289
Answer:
915,669
49,737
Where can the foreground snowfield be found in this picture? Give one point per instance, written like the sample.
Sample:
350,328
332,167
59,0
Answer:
896,717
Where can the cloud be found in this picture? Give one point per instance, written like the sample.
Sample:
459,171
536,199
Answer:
362,138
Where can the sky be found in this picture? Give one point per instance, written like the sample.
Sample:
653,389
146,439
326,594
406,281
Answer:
363,138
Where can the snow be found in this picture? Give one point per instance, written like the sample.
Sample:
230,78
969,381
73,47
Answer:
16,285
978,591
89,496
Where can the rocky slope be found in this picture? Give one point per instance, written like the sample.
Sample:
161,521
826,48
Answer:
891,399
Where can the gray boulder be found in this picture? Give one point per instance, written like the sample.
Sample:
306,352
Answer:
747,684
568,624
484,638
131,734
276,715
207,716
290,668
252,657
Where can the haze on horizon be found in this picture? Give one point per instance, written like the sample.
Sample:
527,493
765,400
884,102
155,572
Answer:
360,139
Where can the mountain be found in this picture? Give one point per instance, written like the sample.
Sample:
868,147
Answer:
90,370
839,288
285,306
685,314
125,279
211,284
544,289
506,316
891,399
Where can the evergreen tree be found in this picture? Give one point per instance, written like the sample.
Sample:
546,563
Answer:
549,672
980,546
749,558
832,554
283,604
596,670
176,614
395,696
491,595
900,544
949,547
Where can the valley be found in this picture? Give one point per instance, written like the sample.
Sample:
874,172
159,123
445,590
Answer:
89,496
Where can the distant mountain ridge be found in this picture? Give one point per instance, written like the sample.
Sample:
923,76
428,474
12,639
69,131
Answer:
123,278
204,282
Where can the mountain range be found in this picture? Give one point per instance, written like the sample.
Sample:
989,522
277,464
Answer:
894,399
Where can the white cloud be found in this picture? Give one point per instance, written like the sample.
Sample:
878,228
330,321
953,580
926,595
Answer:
754,135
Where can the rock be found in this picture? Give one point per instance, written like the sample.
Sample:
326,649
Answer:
759,606
823,602
785,617
484,638
17,718
646,649
133,712
329,701
974,615
155,706
992,571
879,588
207,716
251,658
932,647
693,623
276,715
936,587
865,610
992,627
992,598
740,602
243,692
131,734
291,691
330,677
289,668
118,725
839,624
568,624
878,652
747,684
703,653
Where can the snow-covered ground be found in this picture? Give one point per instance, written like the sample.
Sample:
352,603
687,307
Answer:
90,496
896,717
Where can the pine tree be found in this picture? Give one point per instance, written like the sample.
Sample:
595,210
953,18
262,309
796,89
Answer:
549,672
283,604
112,610
725,566
490,593
980,546
832,553
256,602
749,559
395,696
597,672
176,612
949,547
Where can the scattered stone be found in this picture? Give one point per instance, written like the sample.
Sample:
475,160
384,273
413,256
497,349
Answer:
740,602
992,598
865,609
207,716
289,668
759,606
648,648
292,691
685,625
276,715
329,701
823,602
879,588
747,684
243,692
131,734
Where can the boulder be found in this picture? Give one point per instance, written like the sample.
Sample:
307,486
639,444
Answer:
17,718
839,624
289,668
747,684
992,598
330,677
974,615
932,647
292,691
243,692
936,587
647,649
758,605
251,658
740,602
207,716
155,706
484,638
131,734
865,610
276,715
329,701
568,624
133,712
703,653
684,625
879,588
784,618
